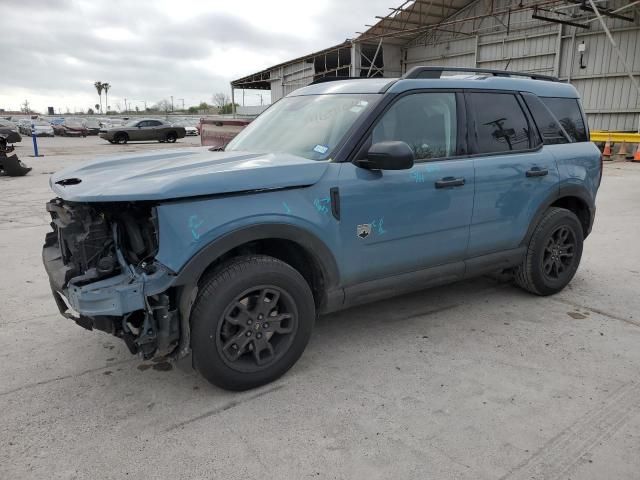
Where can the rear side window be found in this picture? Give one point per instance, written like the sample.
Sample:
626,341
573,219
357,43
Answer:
427,122
567,111
501,125
550,129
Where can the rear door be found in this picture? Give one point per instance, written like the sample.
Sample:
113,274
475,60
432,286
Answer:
514,174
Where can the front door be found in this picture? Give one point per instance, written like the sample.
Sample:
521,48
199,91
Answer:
401,221
156,130
138,132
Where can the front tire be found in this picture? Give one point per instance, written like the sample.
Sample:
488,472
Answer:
251,322
553,254
121,138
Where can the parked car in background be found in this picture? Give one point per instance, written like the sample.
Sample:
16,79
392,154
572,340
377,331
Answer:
143,129
42,128
189,127
92,125
71,128
217,132
10,131
55,121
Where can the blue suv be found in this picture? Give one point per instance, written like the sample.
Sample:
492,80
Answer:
343,192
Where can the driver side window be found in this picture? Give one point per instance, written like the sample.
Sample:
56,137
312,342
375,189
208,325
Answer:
426,122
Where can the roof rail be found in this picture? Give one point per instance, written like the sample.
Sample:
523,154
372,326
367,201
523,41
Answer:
436,72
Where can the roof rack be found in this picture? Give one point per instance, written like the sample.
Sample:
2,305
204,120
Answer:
436,72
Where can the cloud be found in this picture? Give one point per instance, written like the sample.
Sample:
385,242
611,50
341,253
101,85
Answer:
54,51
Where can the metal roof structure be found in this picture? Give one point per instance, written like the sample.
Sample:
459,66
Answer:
594,44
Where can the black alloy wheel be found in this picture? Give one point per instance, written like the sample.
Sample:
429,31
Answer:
558,255
257,328
553,253
251,321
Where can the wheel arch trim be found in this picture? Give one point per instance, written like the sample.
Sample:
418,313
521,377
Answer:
579,192
316,248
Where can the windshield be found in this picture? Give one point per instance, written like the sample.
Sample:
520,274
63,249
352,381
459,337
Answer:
308,126
41,123
131,123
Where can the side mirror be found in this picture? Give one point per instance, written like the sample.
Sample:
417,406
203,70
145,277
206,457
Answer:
391,155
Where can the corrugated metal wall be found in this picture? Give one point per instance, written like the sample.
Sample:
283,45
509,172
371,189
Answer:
607,93
290,77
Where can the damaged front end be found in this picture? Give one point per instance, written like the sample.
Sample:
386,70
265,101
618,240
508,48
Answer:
102,271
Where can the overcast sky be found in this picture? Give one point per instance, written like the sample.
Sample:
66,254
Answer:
51,52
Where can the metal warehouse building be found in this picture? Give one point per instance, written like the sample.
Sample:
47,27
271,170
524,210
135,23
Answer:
593,44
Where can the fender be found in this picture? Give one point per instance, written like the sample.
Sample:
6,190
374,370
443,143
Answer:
566,190
196,266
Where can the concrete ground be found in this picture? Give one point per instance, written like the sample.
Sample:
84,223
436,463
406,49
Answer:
477,380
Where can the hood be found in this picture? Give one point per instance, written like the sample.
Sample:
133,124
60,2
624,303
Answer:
180,173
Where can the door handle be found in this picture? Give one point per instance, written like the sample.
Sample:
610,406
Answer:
449,182
537,172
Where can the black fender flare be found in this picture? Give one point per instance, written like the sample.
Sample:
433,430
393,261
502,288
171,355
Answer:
195,267
565,191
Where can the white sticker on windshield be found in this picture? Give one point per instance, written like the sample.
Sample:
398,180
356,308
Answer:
321,149
357,108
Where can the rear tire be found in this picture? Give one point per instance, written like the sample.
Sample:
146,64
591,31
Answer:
121,138
171,137
553,254
251,321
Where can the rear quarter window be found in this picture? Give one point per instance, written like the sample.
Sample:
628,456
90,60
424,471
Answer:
550,129
568,113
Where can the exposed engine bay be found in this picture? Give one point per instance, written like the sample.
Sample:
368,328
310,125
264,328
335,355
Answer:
100,260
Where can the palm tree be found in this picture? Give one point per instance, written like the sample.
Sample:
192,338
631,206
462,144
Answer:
99,86
106,87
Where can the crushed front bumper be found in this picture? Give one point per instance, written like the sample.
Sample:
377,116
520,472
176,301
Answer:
114,296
